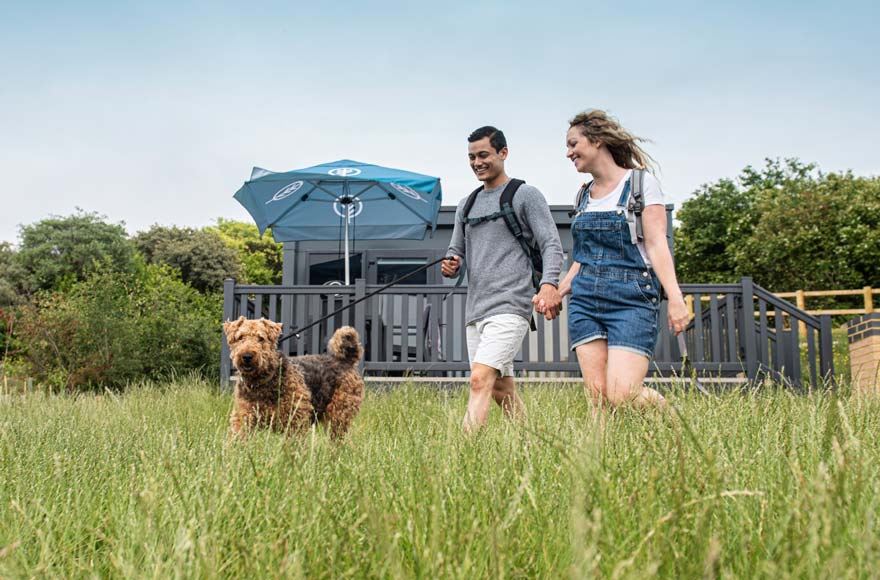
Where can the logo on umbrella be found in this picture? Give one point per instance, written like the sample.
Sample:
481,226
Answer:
286,191
345,171
355,207
408,191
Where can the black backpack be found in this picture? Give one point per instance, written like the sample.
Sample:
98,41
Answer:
505,212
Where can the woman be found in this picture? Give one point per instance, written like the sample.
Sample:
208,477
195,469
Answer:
615,285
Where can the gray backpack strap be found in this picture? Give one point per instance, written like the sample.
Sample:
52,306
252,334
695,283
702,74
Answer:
636,205
579,198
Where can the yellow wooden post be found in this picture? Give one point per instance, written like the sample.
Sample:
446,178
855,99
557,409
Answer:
869,299
689,302
802,305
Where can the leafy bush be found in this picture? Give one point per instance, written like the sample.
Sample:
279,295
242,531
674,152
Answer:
11,275
59,251
822,234
201,256
787,225
260,256
111,329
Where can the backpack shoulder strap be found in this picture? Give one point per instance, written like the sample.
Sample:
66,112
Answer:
466,210
509,191
579,198
636,205
637,189
506,207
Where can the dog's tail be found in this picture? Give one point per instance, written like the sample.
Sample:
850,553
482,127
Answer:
345,345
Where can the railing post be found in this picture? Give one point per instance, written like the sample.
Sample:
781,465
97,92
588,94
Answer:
869,299
360,319
288,278
826,348
228,313
748,328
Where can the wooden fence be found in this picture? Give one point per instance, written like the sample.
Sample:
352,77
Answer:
801,296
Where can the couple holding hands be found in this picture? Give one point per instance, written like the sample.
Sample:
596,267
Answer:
620,262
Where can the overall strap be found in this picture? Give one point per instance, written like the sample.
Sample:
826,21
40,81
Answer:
624,194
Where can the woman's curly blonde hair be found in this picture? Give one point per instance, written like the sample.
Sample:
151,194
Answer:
600,127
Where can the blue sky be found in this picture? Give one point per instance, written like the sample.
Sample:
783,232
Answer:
156,112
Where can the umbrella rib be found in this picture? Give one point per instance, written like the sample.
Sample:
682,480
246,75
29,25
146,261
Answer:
330,193
316,185
409,209
380,185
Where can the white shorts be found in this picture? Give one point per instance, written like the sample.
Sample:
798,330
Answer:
495,340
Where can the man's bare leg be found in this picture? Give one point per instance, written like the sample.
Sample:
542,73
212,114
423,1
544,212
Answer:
482,385
504,393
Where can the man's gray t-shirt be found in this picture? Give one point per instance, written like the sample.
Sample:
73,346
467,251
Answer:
499,272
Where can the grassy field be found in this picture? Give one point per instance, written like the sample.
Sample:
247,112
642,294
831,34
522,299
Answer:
146,485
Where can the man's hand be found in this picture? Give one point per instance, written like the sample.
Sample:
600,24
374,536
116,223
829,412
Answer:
450,266
548,301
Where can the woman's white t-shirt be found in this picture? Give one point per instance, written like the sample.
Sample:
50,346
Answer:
651,192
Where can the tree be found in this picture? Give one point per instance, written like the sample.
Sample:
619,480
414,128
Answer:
787,225
202,257
11,276
260,256
62,250
710,224
818,234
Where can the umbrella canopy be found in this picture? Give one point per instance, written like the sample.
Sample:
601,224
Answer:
314,203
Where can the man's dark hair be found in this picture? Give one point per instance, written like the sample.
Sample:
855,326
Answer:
496,137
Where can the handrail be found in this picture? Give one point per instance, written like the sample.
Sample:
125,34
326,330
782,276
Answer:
787,307
420,328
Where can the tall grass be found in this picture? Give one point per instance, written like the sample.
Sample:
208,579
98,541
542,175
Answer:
146,485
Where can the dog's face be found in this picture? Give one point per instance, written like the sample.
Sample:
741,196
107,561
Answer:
252,344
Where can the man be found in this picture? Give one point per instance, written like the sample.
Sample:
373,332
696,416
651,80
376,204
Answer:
500,290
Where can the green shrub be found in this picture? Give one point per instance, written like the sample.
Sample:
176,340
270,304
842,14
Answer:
112,328
787,225
59,251
201,256
260,256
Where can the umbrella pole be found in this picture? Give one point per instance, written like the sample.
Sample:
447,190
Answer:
346,242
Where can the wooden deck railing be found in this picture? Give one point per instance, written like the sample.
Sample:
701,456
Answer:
421,330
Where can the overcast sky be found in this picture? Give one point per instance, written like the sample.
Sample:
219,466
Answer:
155,112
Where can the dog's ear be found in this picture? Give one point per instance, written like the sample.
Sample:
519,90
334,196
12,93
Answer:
230,326
273,329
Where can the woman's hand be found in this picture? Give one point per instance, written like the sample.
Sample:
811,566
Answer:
564,288
678,314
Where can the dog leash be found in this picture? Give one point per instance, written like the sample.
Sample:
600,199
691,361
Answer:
298,331
687,368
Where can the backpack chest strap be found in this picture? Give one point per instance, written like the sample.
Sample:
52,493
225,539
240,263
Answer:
508,210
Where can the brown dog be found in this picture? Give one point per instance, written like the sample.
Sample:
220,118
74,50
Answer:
291,394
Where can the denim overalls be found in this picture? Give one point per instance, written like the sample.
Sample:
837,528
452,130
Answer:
615,296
